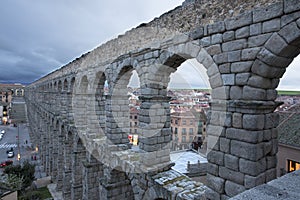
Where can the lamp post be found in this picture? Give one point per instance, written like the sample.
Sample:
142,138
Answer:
18,142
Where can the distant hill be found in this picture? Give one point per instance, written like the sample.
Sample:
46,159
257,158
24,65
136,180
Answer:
288,92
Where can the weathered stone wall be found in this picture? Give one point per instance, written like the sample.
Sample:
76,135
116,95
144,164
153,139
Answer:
185,18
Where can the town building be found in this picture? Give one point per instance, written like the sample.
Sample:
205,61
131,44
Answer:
7,93
289,140
188,128
134,124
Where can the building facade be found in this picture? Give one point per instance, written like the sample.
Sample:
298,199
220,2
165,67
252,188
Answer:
7,93
289,140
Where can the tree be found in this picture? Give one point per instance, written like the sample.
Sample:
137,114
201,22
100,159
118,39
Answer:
26,171
12,181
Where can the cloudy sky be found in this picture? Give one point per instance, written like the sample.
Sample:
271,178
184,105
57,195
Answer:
39,36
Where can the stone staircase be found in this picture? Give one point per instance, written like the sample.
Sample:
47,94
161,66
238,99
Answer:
18,112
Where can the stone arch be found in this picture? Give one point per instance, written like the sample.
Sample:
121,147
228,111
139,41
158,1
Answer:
55,89
99,99
83,86
65,85
117,102
157,82
59,86
275,56
72,85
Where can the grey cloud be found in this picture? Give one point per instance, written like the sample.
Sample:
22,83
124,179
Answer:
38,37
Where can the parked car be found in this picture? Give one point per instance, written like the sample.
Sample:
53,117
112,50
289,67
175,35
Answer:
2,131
10,154
6,163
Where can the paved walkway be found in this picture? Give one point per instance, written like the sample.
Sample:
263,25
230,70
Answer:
56,195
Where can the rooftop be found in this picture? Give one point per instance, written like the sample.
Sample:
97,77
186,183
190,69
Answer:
289,126
181,159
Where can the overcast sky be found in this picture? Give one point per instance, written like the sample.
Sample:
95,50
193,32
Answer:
39,36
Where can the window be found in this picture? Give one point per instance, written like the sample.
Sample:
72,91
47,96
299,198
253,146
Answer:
191,131
135,131
293,165
184,122
135,117
135,123
130,116
183,138
183,131
191,122
176,121
130,124
191,138
176,130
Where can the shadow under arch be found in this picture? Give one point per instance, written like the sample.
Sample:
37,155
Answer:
68,145
77,156
100,93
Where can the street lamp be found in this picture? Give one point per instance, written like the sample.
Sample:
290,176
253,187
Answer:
19,154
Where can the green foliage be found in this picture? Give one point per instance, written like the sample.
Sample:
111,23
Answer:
26,171
12,181
41,193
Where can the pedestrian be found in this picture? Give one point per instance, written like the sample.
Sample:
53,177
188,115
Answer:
26,141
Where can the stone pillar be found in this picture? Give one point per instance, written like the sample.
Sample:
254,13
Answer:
117,119
77,176
49,148
60,163
63,105
242,146
67,168
44,151
70,114
92,171
55,155
155,132
115,185
93,123
80,113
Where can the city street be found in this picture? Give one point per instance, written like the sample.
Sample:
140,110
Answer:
10,139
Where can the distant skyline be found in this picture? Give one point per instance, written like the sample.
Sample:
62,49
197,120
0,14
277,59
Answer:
38,37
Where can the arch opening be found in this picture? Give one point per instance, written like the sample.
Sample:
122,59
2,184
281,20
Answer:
189,91
101,91
123,102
